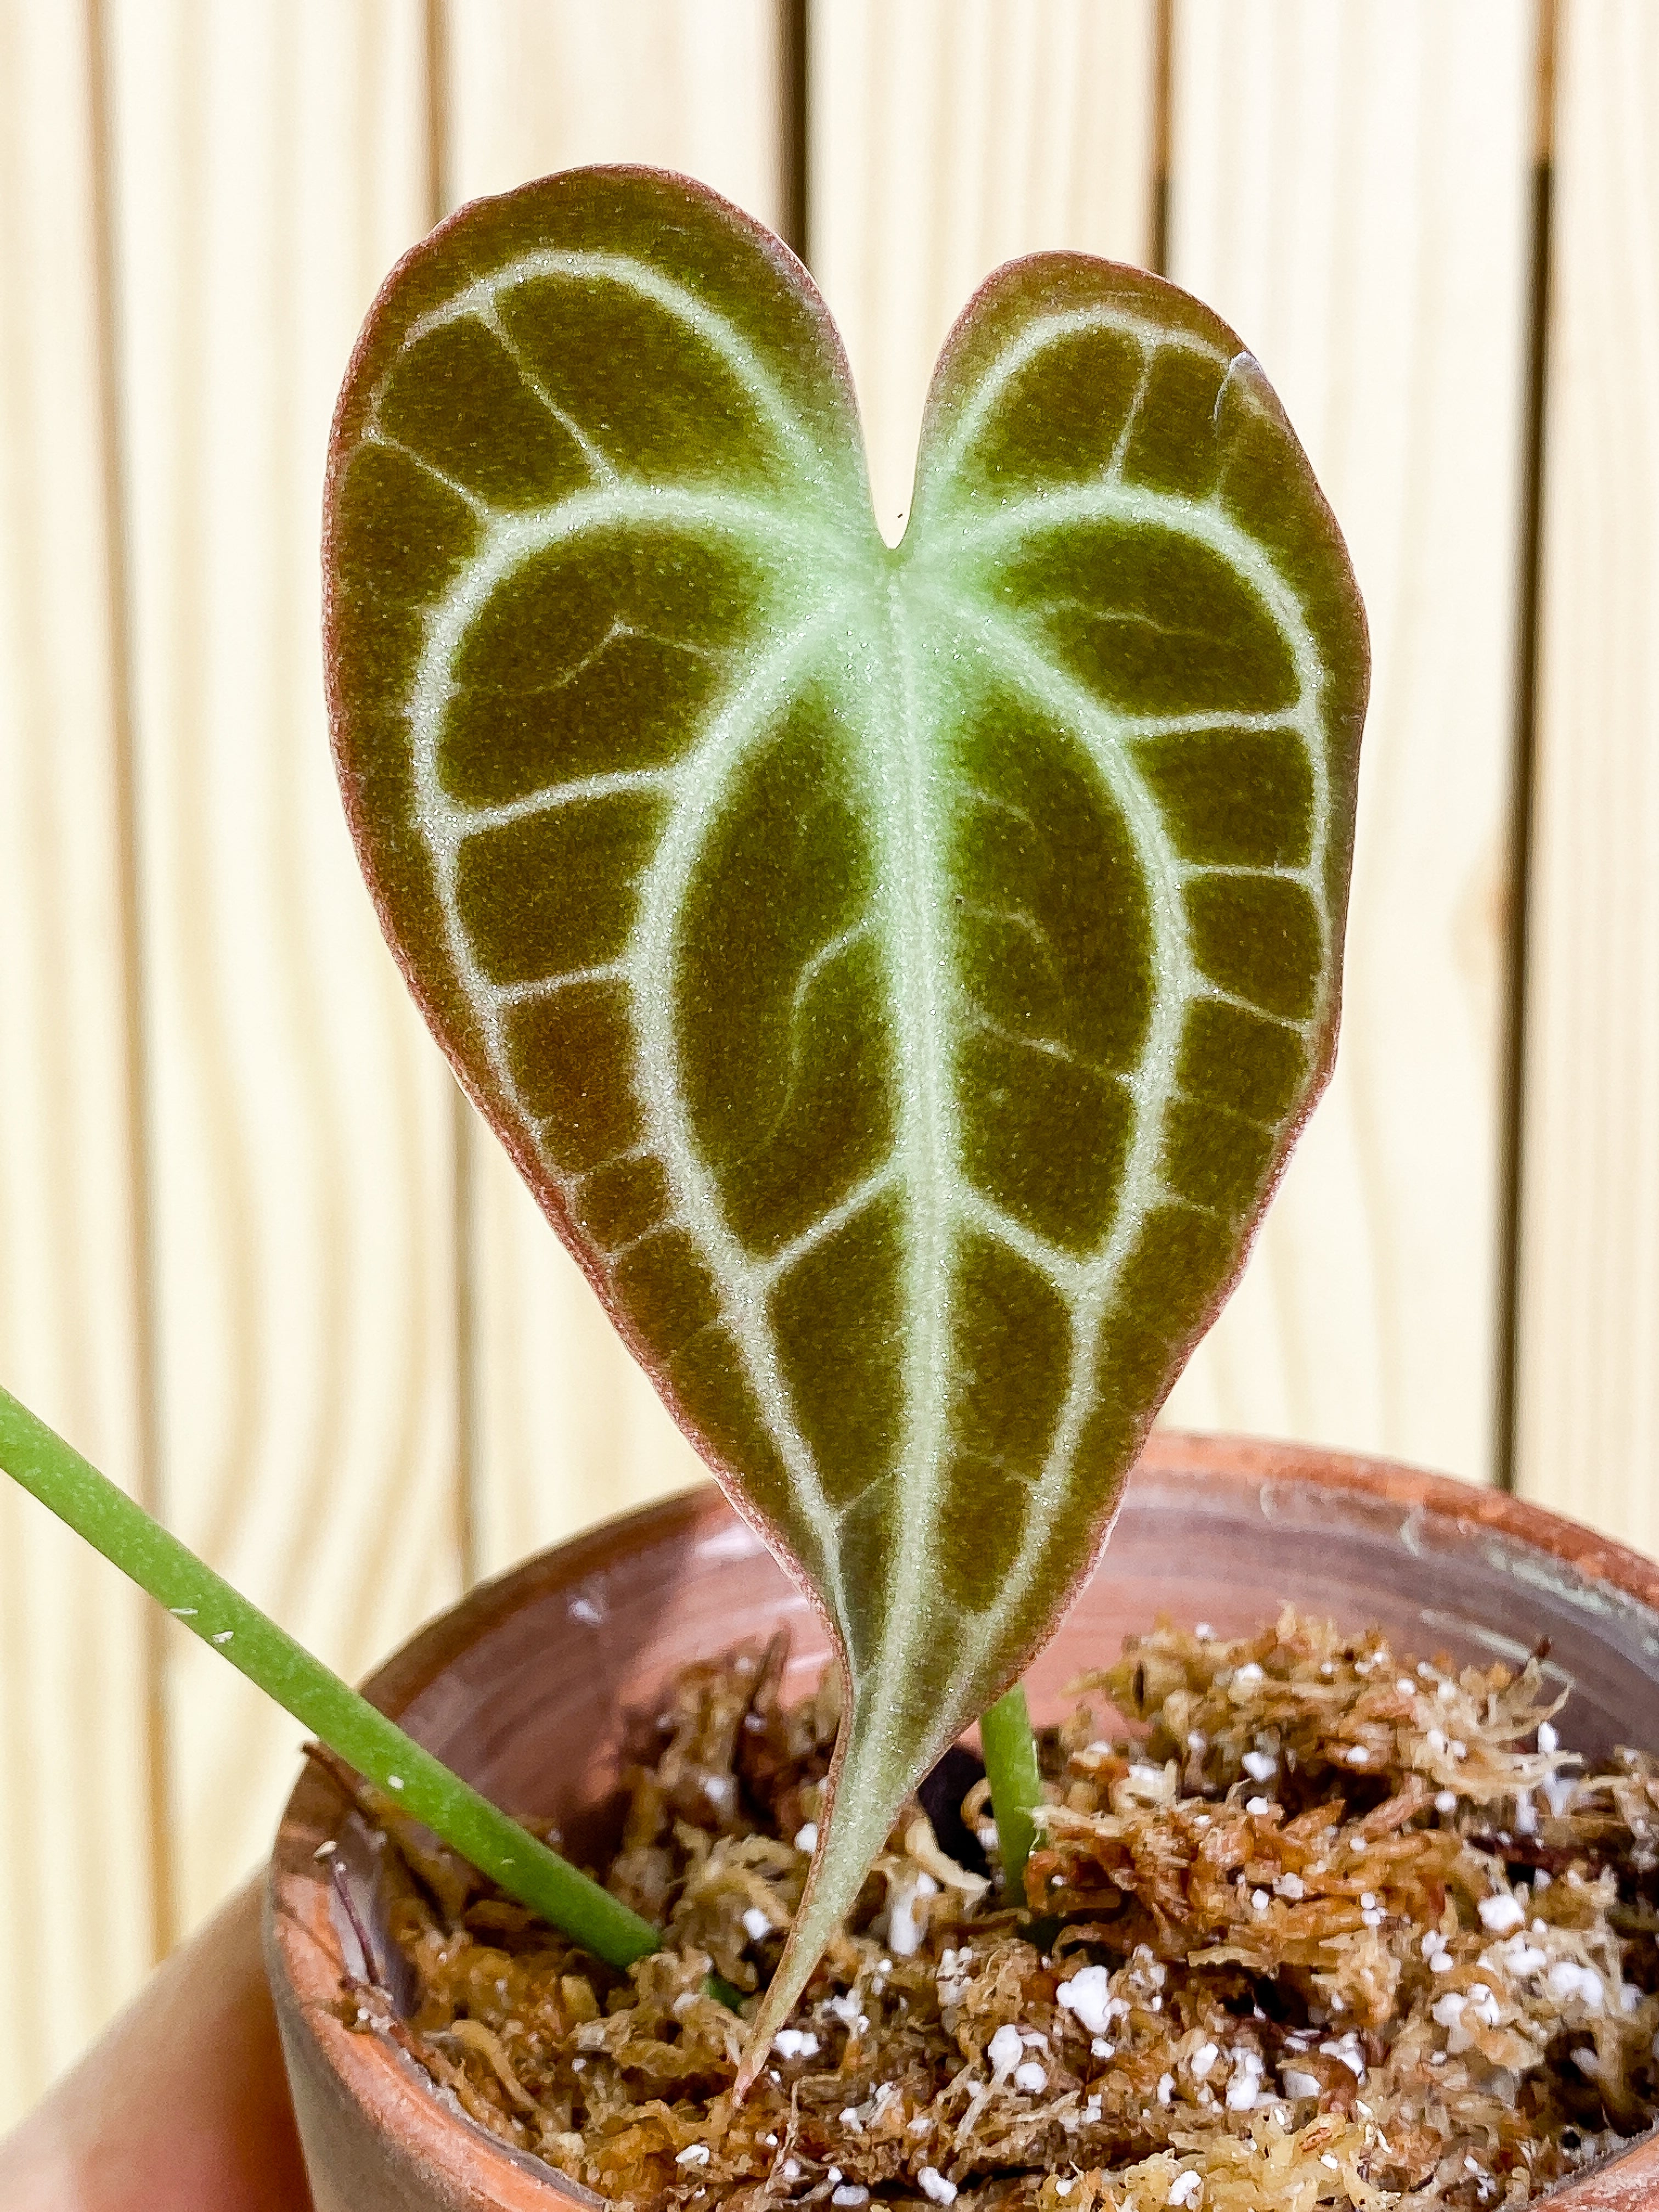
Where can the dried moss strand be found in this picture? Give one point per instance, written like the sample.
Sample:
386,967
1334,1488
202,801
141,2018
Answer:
1313,1987
55,1473
1011,1766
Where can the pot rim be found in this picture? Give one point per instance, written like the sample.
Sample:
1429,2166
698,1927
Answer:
370,2082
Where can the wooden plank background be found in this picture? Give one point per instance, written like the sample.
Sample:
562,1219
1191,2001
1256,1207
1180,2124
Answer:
1351,187
80,1881
254,1255
1588,1367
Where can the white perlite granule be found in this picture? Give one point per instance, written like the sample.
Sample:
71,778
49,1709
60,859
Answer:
1501,1914
1087,1995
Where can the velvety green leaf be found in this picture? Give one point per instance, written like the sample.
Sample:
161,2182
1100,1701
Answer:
900,974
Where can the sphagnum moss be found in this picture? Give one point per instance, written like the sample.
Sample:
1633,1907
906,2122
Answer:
1319,1926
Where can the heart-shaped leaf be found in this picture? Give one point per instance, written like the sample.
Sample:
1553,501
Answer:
900,974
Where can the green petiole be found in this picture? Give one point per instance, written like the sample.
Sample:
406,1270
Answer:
1010,1767
40,1459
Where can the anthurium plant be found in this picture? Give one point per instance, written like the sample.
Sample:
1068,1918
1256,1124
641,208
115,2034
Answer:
900,972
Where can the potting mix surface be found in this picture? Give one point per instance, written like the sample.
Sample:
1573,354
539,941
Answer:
1309,1923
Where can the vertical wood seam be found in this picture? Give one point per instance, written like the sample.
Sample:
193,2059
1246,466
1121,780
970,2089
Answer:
1534,461
464,1240
1157,213
438,181
463,1133
147,1474
794,130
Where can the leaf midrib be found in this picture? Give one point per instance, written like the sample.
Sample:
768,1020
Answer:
923,989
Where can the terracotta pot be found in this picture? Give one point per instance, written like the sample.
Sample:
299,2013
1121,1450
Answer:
524,1686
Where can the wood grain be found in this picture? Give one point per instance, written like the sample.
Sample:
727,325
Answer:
341,1267
1587,1397
76,1917
1350,187
539,85
947,137
270,163
565,1429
